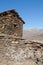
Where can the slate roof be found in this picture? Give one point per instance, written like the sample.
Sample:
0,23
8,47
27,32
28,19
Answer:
13,12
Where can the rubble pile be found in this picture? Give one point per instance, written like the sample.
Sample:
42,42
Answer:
19,51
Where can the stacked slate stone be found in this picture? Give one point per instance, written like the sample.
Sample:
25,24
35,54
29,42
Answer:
11,23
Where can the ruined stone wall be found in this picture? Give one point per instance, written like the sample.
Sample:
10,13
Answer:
11,25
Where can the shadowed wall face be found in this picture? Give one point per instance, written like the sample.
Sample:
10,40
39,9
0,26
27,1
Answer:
10,24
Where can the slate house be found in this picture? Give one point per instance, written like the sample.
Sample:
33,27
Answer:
11,23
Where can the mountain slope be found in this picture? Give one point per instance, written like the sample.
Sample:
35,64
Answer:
41,35
33,33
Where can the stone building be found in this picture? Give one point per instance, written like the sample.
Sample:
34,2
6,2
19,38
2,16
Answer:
11,23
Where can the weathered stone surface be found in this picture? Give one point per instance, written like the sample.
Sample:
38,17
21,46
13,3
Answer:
20,52
11,23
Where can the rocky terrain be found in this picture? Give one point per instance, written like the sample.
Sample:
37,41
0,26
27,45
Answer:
17,51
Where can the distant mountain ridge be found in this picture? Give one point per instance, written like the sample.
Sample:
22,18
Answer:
33,33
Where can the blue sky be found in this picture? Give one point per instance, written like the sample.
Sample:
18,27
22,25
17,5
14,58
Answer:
30,10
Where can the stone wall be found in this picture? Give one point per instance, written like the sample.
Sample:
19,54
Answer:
11,25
